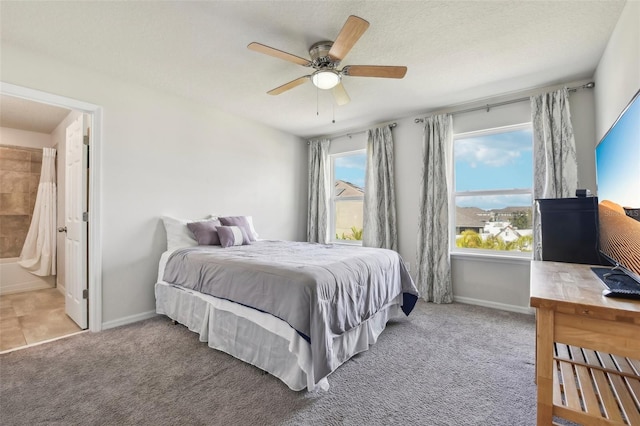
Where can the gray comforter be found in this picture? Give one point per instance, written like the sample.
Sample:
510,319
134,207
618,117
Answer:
320,290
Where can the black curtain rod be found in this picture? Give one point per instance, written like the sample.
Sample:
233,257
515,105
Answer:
589,85
392,125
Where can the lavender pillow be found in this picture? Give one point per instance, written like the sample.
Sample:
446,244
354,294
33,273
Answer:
244,222
205,232
232,236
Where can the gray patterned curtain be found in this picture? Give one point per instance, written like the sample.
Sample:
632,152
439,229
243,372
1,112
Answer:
433,263
317,216
379,221
555,167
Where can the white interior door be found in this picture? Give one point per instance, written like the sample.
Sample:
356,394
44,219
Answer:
76,173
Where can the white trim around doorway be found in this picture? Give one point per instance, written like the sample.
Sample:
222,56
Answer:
95,185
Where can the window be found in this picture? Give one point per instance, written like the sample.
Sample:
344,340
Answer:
347,196
492,197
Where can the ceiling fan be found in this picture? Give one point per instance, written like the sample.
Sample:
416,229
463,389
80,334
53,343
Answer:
325,59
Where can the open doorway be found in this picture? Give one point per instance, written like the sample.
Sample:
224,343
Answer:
84,271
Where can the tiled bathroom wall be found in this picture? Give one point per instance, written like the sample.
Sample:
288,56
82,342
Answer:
19,178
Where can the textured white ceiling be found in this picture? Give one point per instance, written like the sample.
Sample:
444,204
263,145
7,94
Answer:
17,113
455,51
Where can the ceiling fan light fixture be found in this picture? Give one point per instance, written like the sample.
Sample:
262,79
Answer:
326,79
326,56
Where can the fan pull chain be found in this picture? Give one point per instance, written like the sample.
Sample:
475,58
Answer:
317,101
333,109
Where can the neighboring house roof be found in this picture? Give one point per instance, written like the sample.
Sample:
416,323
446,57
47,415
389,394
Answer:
470,217
508,234
347,189
486,220
508,211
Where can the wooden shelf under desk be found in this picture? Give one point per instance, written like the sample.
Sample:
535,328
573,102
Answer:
587,348
592,387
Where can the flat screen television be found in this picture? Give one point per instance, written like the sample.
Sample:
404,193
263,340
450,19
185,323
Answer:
618,181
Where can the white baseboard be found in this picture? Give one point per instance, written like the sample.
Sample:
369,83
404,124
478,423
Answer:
128,320
23,287
494,305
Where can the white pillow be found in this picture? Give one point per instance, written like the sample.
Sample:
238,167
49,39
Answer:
253,230
178,235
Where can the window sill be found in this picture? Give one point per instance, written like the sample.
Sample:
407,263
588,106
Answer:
344,243
492,257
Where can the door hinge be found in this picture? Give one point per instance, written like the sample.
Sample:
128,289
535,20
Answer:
85,216
85,139
85,293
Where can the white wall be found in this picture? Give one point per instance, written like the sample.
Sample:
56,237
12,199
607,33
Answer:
24,138
618,74
166,155
346,143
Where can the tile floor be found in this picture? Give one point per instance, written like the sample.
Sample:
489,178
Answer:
32,317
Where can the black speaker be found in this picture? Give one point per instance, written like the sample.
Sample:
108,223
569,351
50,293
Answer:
570,230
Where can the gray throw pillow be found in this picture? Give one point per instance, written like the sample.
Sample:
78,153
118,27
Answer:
205,232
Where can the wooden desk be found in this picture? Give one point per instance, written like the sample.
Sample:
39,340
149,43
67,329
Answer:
587,348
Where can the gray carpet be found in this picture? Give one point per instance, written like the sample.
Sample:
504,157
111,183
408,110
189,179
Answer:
444,365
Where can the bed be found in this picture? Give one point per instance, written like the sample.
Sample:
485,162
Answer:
296,310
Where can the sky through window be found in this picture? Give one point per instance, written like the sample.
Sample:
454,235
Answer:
351,168
500,161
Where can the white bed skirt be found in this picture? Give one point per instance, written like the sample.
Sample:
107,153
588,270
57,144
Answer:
261,339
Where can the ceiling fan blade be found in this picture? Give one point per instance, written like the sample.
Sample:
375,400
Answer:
258,47
340,95
289,85
374,71
348,36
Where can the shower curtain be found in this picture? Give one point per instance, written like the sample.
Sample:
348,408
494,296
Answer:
38,254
